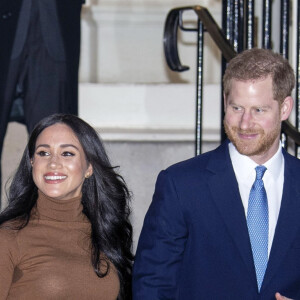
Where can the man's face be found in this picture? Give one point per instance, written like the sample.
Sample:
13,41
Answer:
253,118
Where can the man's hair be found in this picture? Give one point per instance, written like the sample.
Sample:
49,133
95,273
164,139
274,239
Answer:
256,64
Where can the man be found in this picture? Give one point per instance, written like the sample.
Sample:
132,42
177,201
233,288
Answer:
226,224
39,60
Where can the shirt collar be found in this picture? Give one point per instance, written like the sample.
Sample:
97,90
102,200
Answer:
243,165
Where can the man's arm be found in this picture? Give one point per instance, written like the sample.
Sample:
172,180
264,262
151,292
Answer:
161,245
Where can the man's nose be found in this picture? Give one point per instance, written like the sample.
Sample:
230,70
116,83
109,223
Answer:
246,120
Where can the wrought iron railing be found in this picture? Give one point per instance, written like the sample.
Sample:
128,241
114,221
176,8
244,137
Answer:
237,34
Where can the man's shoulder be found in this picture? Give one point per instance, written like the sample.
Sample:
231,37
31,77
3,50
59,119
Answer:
292,164
191,163
200,162
291,161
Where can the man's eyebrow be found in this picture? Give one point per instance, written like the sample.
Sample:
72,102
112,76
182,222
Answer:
232,102
263,106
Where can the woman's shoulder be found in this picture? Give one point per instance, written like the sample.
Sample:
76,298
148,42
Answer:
8,232
9,244
9,248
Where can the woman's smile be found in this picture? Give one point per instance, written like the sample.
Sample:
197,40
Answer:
53,178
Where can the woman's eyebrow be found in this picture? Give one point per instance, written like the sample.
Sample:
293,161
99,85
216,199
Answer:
68,145
62,146
43,145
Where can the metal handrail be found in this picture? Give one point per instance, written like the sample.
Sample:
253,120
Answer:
205,23
174,21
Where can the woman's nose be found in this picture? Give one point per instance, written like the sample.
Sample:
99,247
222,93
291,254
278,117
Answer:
54,161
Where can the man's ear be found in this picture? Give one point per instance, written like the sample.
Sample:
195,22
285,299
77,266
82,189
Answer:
225,102
286,107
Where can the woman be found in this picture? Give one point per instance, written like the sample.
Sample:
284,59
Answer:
66,232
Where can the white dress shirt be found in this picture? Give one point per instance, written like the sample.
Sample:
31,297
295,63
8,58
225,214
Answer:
244,169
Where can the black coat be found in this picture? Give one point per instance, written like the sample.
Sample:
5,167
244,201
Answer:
68,12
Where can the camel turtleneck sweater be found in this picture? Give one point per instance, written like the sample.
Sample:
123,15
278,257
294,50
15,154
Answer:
50,258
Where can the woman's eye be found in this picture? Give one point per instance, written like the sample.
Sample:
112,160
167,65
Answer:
67,153
43,153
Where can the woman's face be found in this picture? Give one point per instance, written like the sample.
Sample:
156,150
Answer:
59,166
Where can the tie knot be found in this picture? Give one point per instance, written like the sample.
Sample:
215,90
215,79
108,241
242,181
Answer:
260,171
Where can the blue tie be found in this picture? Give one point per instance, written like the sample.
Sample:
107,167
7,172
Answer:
258,224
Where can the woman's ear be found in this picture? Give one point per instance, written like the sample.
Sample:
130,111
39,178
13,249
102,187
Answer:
89,171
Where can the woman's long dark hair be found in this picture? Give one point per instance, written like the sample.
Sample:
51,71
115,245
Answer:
105,200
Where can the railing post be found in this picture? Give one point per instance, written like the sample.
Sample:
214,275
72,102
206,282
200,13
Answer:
227,13
228,8
238,25
249,17
242,25
267,24
199,89
284,28
284,45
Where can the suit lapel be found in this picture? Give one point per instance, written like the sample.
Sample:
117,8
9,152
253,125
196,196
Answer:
288,222
224,189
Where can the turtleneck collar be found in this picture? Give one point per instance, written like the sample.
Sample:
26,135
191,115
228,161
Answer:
60,210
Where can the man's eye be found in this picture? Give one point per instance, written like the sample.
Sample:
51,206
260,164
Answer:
43,153
67,153
259,110
237,108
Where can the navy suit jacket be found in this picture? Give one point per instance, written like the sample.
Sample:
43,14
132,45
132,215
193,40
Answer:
195,244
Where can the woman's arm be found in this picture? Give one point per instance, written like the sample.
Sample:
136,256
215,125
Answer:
9,254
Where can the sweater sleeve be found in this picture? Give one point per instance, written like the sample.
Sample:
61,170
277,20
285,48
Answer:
8,260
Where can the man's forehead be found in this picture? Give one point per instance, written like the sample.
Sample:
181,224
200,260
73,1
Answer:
262,84
251,80
257,90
